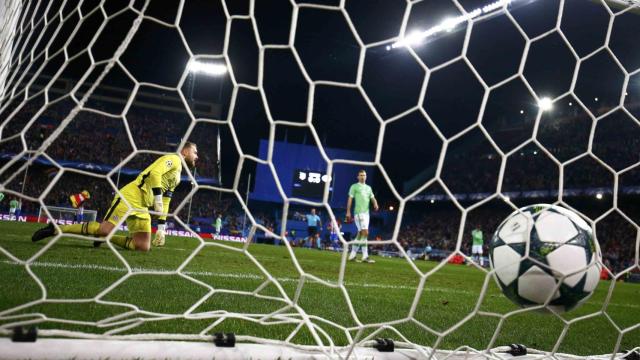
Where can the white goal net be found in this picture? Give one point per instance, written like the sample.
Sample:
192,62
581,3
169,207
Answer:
461,111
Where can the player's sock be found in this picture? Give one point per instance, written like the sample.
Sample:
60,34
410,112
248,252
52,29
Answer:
124,242
88,228
354,250
365,251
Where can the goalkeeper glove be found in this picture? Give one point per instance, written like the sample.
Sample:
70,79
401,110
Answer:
158,240
157,200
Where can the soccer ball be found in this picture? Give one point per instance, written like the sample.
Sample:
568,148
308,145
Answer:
563,263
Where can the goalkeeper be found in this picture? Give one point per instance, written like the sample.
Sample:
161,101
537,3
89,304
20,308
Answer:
153,188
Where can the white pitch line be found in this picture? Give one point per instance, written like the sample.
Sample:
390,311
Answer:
252,277
203,273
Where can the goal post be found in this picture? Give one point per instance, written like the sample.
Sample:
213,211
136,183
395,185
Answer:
204,349
9,12
73,76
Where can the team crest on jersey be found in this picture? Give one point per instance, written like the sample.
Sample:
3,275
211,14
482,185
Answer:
169,163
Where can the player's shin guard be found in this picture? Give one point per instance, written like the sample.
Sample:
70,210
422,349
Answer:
88,228
124,242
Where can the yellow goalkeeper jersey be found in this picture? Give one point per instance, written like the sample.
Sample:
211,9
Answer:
163,173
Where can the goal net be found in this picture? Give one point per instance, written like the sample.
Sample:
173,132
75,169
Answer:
460,111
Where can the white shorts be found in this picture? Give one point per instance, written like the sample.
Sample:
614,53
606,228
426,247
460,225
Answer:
476,249
362,221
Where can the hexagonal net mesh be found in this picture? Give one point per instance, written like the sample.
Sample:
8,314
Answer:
480,107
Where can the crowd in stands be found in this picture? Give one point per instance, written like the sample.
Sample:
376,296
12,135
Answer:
98,139
474,168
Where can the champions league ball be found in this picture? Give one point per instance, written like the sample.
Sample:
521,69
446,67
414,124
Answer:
563,265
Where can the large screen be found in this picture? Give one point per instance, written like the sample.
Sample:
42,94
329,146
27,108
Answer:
310,184
291,162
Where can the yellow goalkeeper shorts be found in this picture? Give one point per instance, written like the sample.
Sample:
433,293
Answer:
139,219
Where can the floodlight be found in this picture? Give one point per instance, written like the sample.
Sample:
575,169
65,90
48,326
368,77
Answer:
449,24
207,68
545,104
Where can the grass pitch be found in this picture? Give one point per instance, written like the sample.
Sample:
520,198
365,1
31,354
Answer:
216,293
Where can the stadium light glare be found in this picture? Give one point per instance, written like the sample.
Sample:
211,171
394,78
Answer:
414,38
207,68
432,201
599,196
448,24
545,104
390,208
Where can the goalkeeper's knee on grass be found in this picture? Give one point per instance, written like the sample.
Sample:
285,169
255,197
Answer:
125,242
